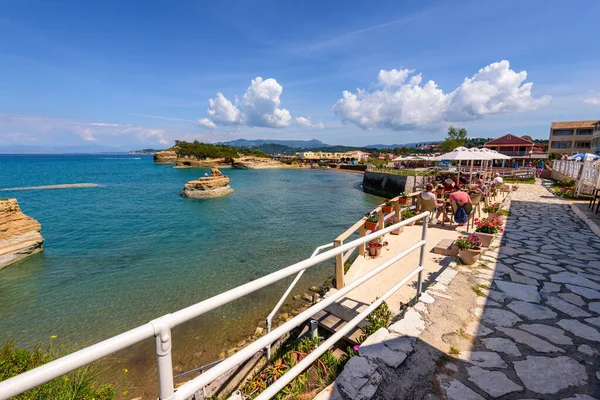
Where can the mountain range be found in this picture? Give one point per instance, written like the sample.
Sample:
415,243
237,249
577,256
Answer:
295,144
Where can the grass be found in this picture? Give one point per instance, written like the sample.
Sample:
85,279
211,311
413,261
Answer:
80,384
529,181
478,291
454,350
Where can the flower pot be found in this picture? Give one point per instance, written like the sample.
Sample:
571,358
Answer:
498,215
387,209
374,251
486,238
397,231
403,200
469,256
370,226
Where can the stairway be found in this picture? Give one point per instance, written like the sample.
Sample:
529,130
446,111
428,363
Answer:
336,315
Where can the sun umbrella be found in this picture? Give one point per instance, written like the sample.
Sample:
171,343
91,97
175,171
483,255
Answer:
463,154
582,156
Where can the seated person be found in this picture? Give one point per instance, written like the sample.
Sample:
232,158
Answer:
481,188
428,194
460,198
498,179
448,185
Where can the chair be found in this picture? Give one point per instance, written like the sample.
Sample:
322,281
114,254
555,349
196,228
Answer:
468,209
426,205
476,202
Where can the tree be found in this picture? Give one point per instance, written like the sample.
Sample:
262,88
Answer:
404,151
456,138
397,151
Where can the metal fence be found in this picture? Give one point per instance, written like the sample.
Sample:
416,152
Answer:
160,328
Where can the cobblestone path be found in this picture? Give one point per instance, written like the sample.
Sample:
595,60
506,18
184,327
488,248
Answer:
539,331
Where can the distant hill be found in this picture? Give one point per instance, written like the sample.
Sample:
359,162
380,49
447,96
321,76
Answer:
294,144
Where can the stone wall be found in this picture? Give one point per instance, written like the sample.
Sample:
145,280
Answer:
387,185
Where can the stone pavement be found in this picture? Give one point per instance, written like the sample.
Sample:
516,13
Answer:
538,335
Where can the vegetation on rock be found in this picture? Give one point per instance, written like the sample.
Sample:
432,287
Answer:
206,150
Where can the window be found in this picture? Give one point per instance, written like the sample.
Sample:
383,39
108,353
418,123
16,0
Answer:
585,131
562,132
583,144
560,145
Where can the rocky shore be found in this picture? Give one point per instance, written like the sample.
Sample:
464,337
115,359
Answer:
208,187
165,157
19,234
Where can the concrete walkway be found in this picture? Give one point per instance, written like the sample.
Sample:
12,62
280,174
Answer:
539,328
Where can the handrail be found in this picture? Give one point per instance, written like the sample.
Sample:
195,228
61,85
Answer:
269,318
160,328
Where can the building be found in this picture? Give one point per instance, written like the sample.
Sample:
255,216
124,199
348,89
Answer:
574,137
517,147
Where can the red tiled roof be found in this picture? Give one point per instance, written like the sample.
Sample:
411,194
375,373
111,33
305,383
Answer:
575,124
509,139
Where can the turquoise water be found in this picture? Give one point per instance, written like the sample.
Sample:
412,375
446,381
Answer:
119,255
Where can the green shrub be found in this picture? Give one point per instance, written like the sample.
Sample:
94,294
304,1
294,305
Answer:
380,318
79,384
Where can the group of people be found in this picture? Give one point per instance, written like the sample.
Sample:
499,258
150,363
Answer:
458,196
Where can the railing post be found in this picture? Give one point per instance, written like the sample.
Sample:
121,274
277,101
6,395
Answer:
425,222
362,248
162,336
398,209
314,329
268,348
339,266
380,219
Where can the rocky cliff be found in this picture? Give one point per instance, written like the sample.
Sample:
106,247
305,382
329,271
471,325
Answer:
207,187
165,157
19,234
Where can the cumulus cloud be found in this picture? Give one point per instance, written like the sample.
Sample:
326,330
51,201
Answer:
407,105
307,123
595,101
259,108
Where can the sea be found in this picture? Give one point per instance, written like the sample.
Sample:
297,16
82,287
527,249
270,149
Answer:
132,249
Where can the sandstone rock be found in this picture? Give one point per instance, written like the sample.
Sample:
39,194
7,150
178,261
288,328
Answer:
207,187
19,234
165,157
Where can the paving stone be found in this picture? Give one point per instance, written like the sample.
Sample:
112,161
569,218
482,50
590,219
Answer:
572,298
421,307
497,296
531,311
568,308
426,298
553,334
575,279
494,383
593,321
549,375
398,342
580,397
381,352
486,359
500,317
376,338
474,328
579,329
438,295
595,307
585,292
531,274
486,302
457,391
530,267
519,291
446,276
411,325
587,350
532,341
550,287
502,345
522,279
359,379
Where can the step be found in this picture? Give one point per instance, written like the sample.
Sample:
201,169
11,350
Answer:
333,324
347,310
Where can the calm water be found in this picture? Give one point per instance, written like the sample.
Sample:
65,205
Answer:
121,254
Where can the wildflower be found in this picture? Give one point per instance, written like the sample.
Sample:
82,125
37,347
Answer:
53,337
355,348
125,370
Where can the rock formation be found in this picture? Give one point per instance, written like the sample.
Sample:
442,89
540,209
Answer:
165,157
207,187
19,234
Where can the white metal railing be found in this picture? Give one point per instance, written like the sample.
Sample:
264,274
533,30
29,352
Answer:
161,327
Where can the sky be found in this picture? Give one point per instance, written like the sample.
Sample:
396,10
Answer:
134,74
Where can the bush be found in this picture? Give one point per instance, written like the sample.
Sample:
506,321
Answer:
79,384
380,318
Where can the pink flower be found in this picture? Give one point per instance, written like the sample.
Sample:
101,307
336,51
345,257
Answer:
355,348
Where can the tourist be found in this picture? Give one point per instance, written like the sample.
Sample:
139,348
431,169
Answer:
428,194
460,199
448,185
498,179
481,188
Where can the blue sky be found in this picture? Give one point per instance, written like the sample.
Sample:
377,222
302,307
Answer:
134,74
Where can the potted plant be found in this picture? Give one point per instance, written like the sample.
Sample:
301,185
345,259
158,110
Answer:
493,210
439,189
406,214
487,228
403,198
375,246
388,207
371,221
392,221
469,249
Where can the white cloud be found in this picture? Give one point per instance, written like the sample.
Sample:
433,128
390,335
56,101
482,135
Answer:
87,134
399,105
595,101
101,124
259,108
307,123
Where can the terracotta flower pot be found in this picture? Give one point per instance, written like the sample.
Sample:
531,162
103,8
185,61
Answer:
403,200
374,251
370,226
486,238
496,215
387,209
397,231
469,256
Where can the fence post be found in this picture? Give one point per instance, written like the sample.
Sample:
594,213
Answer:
363,247
162,336
425,222
380,219
339,266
